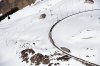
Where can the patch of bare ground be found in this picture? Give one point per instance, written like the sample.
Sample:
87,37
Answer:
89,1
7,5
63,58
38,58
25,53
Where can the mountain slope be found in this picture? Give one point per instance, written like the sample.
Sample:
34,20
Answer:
25,30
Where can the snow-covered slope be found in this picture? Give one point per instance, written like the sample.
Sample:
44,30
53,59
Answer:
25,30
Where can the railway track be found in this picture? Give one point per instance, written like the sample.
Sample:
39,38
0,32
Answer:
87,63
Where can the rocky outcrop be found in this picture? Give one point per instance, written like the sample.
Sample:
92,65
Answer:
89,1
13,10
7,5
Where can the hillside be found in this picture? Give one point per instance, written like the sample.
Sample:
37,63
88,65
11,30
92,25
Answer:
28,37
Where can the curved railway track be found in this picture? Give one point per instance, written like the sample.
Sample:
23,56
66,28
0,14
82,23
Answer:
71,56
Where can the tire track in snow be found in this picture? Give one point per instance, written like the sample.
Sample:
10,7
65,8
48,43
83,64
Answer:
54,44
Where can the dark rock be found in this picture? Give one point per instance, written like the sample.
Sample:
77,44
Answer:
28,50
65,49
89,1
25,57
56,64
87,56
63,58
8,13
42,16
50,64
88,64
46,60
24,54
37,58
8,17
7,5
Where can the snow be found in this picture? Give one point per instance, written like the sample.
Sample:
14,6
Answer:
77,33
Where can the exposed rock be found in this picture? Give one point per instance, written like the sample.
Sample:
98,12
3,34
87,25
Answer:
50,64
63,58
57,53
8,13
65,49
37,59
24,57
45,59
87,56
89,1
42,16
88,64
7,5
24,54
28,50
56,64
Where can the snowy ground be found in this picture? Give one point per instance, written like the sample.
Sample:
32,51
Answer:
79,33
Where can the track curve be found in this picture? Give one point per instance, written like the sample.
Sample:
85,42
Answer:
72,56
